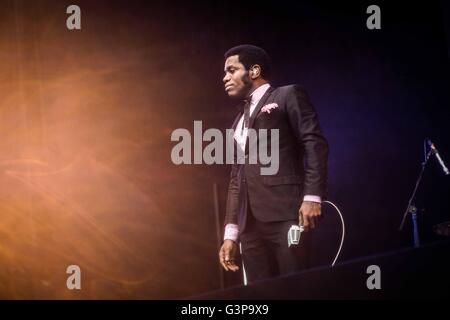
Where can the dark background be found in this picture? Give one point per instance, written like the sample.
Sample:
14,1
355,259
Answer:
138,70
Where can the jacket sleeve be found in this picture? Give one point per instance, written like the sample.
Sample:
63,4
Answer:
314,147
233,196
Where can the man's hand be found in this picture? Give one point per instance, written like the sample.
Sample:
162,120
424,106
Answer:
309,214
227,254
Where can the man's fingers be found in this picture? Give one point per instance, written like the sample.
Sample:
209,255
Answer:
222,259
234,267
231,265
224,265
312,223
304,220
308,222
221,255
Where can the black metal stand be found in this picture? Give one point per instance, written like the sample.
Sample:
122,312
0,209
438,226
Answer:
412,209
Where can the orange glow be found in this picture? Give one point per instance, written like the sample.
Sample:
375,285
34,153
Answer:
84,157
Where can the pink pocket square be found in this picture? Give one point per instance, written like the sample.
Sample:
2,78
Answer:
268,107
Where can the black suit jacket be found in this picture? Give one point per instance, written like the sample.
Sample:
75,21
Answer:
303,154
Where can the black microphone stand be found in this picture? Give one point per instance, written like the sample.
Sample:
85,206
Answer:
411,208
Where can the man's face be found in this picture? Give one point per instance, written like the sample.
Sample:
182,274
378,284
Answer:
236,80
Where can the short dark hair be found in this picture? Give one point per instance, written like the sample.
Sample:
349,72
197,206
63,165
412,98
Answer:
250,55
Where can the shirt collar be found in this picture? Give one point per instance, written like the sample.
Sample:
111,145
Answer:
259,92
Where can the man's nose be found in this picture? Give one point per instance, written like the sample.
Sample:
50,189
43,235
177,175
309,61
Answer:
225,78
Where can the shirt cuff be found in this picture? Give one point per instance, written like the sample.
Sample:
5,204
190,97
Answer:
312,198
231,232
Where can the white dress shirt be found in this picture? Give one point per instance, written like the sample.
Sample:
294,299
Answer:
241,135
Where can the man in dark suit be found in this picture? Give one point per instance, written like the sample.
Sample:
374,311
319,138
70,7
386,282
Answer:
262,208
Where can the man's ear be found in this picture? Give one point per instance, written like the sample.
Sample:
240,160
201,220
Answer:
255,71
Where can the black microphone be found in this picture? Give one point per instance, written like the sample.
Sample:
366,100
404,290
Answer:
436,153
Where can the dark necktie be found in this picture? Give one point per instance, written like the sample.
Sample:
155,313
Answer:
246,115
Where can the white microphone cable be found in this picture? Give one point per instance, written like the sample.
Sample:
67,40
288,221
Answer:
343,230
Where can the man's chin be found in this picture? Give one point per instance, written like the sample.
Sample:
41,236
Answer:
234,95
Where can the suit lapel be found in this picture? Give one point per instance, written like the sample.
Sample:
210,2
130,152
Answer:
260,104
236,121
